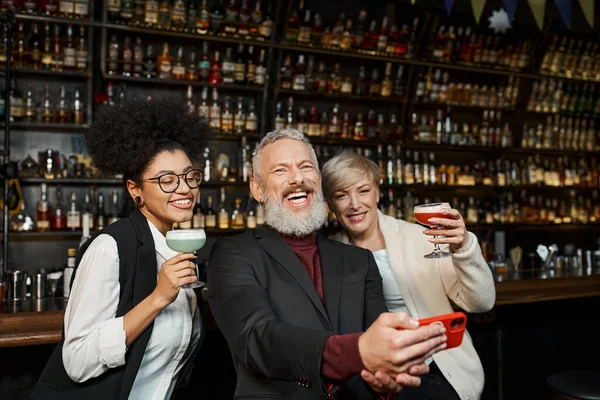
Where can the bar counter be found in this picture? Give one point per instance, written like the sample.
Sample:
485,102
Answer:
35,322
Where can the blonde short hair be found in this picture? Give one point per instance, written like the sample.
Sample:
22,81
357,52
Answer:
346,169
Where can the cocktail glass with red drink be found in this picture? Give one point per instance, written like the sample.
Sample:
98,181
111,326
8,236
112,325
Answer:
423,212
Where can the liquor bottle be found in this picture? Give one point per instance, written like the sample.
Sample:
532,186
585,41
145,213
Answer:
217,13
59,221
114,209
178,15
191,73
127,8
149,67
231,18
250,66
113,56
138,58
114,10
239,119
151,12
215,76
73,214
215,113
88,210
211,217
251,124
226,118
44,211
198,220
256,18
238,217
127,57
68,271
266,26
63,112
203,108
81,52
164,14
178,70
57,53
386,85
203,19
204,66
250,213
243,28
223,212
30,107
239,67
164,63
47,114
100,215
35,46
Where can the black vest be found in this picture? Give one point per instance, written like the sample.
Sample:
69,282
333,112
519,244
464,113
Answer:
137,280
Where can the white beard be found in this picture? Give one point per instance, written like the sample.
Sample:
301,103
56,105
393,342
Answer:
286,221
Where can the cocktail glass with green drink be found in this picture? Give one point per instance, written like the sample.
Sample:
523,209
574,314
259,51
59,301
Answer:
187,241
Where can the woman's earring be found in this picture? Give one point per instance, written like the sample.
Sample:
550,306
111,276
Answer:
138,200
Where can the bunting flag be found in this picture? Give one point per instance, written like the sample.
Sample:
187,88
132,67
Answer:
588,10
511,7
478,6
565,8
538,9
449,5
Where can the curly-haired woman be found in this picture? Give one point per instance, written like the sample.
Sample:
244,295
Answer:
129,331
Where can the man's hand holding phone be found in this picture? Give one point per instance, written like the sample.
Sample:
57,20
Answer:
396,345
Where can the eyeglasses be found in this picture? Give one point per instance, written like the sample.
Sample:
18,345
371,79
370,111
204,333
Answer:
169,183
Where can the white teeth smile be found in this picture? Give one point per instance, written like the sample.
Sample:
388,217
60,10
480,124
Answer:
182,202
357,217
297,197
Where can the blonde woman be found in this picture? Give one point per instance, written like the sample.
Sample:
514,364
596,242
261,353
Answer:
411,283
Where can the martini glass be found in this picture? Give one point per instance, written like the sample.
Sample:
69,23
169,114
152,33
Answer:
423,212
187,241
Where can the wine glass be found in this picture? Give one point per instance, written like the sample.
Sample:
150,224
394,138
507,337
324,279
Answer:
187,241
423,212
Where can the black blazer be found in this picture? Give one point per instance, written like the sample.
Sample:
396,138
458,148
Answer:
137,280
269,311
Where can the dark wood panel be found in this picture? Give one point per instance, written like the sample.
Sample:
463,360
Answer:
538,290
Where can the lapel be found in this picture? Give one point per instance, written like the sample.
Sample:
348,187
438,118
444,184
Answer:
332,271
277,248
145,273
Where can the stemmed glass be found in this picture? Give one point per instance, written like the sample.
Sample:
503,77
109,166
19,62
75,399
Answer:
187,241
423,212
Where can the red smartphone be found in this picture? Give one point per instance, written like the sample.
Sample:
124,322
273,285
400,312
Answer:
454,323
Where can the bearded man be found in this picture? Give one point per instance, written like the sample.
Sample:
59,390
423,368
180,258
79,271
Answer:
304,316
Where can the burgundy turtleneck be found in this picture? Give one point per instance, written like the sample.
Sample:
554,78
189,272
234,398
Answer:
341,358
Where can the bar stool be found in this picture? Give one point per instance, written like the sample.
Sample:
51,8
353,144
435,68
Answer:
575,385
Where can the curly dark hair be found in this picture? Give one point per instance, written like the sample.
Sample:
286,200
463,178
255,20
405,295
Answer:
125,140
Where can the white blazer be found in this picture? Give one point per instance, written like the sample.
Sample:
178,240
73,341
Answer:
430,287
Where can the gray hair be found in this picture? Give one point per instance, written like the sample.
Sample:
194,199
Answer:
273,137
346,169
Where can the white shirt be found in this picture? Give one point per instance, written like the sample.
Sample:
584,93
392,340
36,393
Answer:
95,339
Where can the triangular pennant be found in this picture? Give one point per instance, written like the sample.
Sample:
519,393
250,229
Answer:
588,10
510,6
449,5
477,6
538,9
565,8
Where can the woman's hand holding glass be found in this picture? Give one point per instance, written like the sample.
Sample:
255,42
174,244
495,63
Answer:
174,273
453,232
